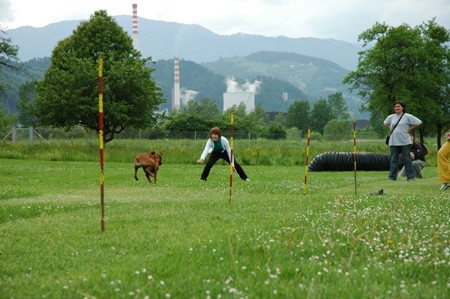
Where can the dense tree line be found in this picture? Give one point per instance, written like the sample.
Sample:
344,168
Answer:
410,64
204,114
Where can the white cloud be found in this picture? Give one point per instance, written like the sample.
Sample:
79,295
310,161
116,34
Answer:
6,13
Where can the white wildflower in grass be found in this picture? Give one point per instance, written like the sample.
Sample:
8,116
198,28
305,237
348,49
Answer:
232,290
228,280
376,239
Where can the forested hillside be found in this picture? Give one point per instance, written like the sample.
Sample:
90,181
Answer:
33,69
315,76
276,74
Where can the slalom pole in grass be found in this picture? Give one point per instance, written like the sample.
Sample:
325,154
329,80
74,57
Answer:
306,162
354,150
232,156
100,139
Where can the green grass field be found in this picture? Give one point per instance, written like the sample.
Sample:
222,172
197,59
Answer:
183,239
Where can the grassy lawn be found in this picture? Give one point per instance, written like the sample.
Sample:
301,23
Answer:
182,238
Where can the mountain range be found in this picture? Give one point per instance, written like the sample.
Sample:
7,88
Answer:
165,40
301,68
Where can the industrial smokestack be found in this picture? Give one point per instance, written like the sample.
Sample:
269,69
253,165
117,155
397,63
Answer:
176,86
135,28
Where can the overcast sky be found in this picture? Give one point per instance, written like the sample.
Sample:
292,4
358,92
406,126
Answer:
337,19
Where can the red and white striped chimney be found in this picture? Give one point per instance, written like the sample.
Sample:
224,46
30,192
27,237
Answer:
176,102
135,27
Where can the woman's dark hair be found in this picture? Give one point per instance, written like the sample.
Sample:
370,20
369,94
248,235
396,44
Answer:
215,130
401,104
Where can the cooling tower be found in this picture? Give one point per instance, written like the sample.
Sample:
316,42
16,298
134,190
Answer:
231,99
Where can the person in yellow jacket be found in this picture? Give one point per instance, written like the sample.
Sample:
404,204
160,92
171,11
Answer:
443,159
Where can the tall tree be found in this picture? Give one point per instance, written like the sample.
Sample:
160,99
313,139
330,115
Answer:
320,115
68,95
338,106
8,59
436,82
27,104
404,63
298,116
8,56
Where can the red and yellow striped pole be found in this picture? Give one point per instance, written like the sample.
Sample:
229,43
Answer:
354,150
306,162
232,156
101,146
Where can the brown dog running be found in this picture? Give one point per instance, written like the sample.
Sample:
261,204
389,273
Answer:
150,163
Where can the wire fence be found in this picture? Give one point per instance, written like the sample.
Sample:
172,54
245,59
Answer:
31,135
